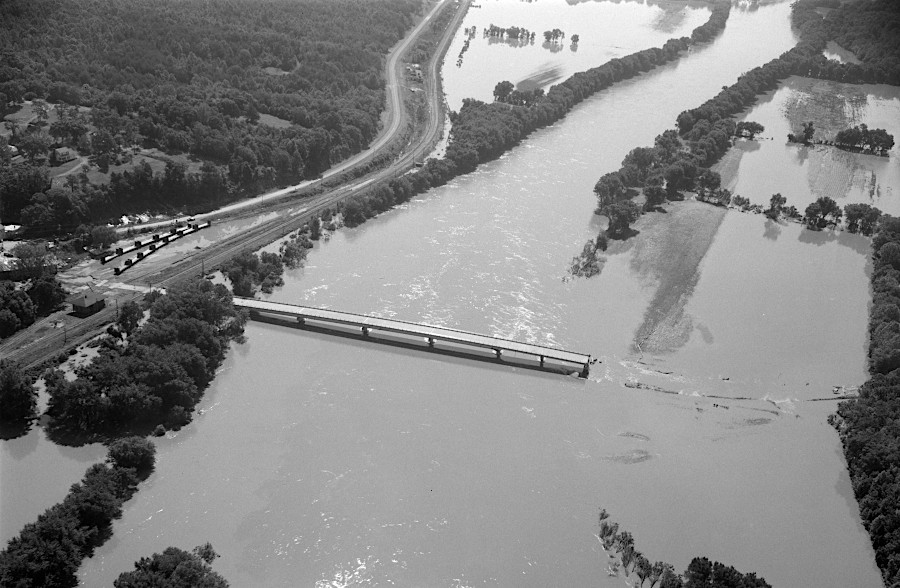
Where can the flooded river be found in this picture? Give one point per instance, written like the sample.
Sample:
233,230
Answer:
322,461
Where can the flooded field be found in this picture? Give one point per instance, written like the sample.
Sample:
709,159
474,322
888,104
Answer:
804,173
605,29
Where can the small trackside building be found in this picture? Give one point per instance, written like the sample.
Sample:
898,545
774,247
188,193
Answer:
84,304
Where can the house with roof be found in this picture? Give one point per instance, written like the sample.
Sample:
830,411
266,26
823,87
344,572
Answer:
86,303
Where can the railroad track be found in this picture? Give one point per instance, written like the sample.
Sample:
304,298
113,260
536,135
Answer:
45,348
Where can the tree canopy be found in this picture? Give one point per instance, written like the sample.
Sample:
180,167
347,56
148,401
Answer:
18,398
191,77
862,137
160,374
48,552
869,425
174,568
134,452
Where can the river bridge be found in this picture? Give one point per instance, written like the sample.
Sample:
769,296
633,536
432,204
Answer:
418,336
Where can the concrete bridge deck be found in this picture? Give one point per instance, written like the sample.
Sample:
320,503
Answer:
320,318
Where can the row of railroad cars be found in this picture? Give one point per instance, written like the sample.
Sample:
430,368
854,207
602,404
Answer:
151,244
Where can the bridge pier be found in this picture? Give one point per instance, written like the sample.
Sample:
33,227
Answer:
459,342
585,368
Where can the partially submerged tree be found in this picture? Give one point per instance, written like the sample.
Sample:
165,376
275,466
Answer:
776,204
502,90
748,129
132,452
609,188
819,212
174,568
621,215
861,217
808,131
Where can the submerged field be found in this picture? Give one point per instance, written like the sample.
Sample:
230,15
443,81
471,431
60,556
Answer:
804,173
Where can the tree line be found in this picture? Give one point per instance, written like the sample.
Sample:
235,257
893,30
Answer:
248,271
666,169
805,59
482,131
869,426
48,552
700,573
188,77
152,374
863,138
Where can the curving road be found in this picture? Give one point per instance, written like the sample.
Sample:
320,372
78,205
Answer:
31,348
394,110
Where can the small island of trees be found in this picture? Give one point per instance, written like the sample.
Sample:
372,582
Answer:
48,552
513,35
862,138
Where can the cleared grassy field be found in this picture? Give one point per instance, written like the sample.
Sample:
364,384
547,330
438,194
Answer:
273,121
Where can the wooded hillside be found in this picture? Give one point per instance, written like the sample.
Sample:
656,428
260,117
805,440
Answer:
194,77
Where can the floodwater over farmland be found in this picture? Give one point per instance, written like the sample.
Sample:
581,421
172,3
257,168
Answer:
804,173
324,461
471,67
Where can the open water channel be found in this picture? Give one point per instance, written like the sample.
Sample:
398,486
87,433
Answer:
324,461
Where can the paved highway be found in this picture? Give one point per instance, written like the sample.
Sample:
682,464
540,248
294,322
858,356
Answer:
31,350
395,114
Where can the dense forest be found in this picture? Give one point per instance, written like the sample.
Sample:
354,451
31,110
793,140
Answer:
193,77
871,30
870,425
48,552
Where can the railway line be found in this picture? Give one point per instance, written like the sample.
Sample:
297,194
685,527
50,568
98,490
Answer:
31,353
